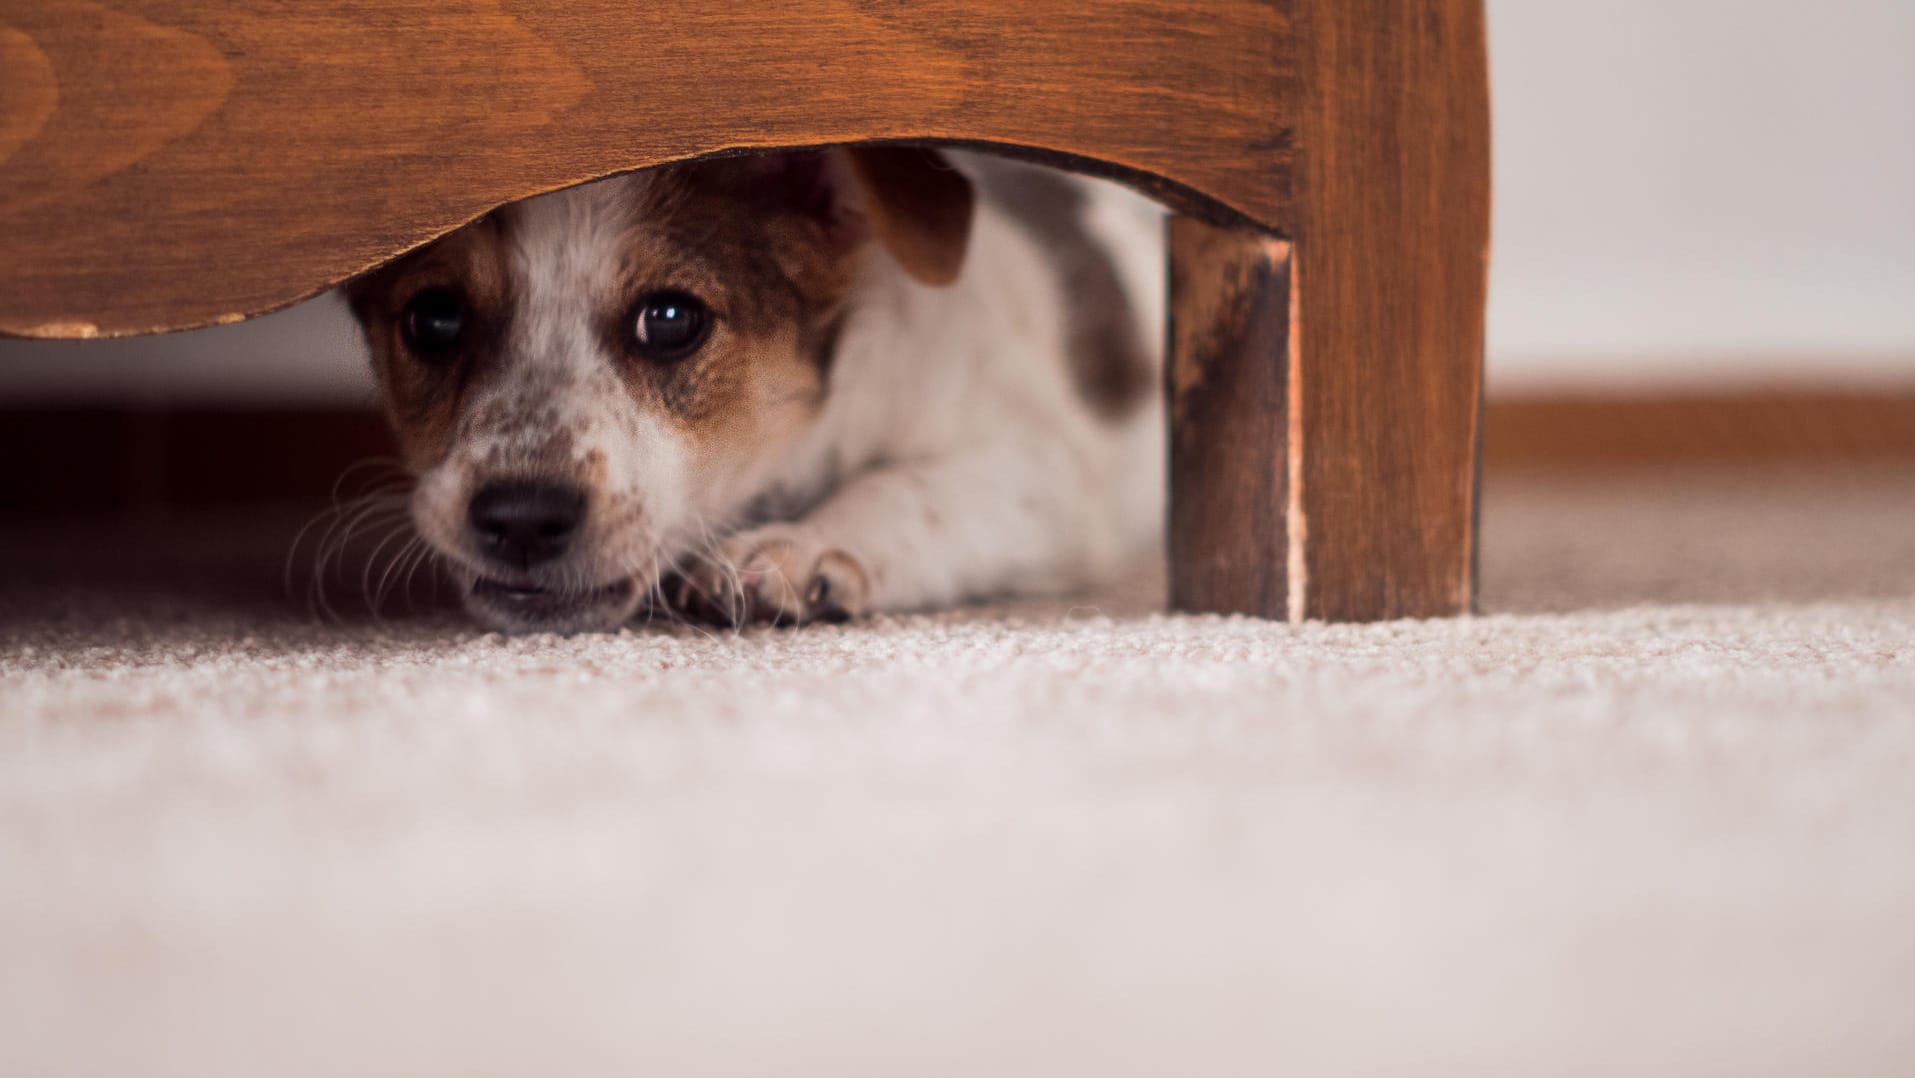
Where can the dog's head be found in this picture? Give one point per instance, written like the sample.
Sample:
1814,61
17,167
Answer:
585,382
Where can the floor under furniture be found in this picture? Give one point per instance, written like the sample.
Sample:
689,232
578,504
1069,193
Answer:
1653,813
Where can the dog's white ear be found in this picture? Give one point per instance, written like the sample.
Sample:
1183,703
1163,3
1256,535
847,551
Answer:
917,205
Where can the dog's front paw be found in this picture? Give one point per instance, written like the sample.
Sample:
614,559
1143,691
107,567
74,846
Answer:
780,575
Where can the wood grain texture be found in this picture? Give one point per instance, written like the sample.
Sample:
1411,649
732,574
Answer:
166,164
1227,384
1392,233
170,163
1326,398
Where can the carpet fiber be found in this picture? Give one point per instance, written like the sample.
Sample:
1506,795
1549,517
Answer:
1652,814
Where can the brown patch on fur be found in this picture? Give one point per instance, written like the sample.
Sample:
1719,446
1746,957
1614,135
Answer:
918,206
422,398
1108,359
758,239
553,456
594,467
775,280
820,343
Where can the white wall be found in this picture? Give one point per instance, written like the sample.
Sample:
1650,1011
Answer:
1687,191
308,353
1703,190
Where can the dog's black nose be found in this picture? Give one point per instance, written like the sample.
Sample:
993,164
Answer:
525,522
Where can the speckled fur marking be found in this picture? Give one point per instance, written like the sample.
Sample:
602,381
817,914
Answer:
879,420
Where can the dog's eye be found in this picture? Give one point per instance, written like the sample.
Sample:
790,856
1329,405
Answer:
668,326
433,321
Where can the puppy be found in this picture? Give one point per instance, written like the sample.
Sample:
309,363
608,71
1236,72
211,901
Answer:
781,388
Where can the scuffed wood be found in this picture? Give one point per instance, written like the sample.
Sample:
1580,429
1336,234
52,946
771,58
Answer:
1228,380
1325,416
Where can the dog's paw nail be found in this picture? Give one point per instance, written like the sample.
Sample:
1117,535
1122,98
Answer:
819,603
838,590
784,576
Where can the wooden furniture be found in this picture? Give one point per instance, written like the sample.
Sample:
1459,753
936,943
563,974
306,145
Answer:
166,164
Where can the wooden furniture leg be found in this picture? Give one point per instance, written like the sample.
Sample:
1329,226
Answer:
1325,388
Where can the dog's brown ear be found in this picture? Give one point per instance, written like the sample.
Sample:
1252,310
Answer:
917,205
908,199
361,292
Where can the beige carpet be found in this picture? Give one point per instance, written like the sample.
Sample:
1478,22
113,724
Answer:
1653,814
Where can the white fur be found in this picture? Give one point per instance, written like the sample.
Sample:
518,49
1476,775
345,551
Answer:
953,459
976,468
561,381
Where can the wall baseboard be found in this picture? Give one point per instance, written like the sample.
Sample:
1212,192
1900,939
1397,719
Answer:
1748,428
105,458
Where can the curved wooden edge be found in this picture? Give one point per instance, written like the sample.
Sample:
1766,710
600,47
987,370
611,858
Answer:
1175,196
166,164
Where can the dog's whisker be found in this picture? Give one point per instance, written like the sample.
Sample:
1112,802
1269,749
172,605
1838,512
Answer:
424,554
396,466
372,561
334,518
330,515
380,592
374,510
334,545
736,607
383,589
421,554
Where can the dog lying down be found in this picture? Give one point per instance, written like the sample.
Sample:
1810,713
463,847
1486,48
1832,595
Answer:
781,388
